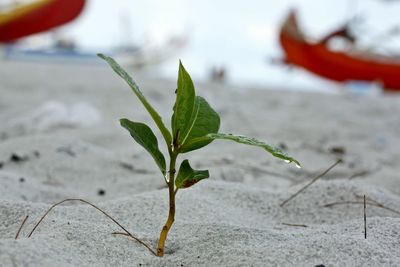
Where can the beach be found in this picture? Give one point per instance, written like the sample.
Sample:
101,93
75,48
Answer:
60,138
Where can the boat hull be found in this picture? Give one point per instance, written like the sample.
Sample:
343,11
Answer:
333,65
35,18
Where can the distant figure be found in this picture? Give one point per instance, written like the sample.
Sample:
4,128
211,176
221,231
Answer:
218,74
65,44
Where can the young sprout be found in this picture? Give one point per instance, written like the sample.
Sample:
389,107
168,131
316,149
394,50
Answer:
194,124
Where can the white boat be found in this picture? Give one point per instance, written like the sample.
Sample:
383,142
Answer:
66,52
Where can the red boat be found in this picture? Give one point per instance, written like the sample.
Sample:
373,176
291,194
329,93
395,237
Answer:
334,65
37,16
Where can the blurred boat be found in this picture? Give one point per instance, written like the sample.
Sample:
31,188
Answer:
342,66
65,51
21,20
18,21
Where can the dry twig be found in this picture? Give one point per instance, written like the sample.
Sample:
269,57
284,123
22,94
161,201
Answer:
295,225
127,233
22,225
369,202
311,182
365,219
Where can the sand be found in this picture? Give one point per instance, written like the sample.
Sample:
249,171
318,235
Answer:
60,138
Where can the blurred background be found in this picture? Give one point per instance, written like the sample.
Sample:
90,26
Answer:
236,42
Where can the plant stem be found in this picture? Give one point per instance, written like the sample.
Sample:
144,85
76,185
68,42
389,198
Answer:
171,214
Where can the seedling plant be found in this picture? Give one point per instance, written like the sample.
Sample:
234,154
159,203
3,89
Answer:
194,124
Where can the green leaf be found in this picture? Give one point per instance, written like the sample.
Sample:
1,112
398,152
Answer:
203,121
184,104
276,152
146,138
187,176
135,88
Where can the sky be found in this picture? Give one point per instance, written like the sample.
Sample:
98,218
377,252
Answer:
239,35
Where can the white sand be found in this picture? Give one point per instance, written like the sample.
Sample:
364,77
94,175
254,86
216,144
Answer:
231,219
